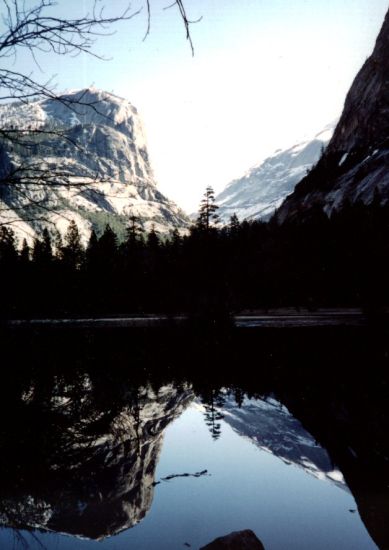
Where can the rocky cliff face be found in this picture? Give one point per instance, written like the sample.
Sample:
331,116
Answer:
83,157
263,188
355,164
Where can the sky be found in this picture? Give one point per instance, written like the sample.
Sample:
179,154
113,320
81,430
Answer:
265,75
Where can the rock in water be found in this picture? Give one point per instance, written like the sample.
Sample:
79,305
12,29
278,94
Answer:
239,540
355,164
91,148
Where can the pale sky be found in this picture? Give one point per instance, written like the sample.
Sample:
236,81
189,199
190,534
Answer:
266,74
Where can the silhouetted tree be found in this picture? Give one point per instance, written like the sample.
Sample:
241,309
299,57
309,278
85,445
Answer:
175,238
91,253
108,244
42,252
8,254
208,216
134,232
24,255
153,239
58,244
314,262
234,224
212,414
73,251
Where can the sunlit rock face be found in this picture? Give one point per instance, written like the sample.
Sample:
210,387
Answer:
355,164
272,428
95,142
98,479
262,189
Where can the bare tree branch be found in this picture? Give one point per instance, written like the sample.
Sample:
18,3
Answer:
148,19
32,29
187,22
35,27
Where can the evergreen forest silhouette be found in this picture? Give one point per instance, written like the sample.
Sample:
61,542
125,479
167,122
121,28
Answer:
213,271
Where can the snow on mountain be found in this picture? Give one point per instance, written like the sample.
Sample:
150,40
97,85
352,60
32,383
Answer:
91,149
270,426
263,188
354,166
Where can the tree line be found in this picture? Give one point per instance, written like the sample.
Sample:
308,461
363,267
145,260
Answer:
211,271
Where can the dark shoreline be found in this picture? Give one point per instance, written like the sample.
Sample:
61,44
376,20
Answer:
277,318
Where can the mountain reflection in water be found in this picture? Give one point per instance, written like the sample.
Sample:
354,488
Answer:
86,471
84,415
271,427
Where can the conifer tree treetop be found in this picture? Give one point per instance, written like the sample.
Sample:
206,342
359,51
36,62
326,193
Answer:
208,216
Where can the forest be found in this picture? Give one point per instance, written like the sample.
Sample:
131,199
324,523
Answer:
212,271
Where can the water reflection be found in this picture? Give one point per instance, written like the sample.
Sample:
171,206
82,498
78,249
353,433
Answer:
82,432
271,427
80,466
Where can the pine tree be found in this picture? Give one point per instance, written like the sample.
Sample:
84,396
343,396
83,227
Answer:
24,255
208,216
175,238
42,252
108,244
8,254
153,239
47,248
134,230
212,414
37,251
73,251
92,251
58,245
132,248
234,225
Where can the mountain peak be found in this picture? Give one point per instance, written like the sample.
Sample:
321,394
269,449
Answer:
365,118
263,188
96,144
354,165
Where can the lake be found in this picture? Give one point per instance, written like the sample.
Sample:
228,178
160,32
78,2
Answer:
168,439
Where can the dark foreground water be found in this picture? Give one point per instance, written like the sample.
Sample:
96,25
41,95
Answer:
167,439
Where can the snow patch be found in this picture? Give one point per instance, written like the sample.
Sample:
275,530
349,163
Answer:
265,186
343,159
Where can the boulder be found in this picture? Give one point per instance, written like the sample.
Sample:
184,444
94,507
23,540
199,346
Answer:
238,540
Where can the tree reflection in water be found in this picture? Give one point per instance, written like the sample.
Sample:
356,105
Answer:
83,413
78,456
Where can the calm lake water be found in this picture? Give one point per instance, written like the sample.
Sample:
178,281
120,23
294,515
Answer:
97,456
